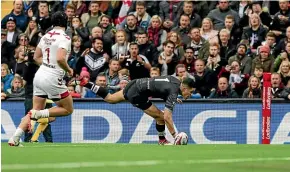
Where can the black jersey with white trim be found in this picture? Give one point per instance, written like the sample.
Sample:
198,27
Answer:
164,87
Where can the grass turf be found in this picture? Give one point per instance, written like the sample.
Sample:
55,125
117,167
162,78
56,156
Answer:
146,157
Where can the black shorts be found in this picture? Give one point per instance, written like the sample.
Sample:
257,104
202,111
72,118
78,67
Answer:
137,99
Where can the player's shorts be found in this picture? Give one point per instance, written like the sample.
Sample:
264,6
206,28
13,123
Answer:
137,99
49,86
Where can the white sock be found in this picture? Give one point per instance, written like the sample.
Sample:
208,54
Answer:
161,133
43,113
18,133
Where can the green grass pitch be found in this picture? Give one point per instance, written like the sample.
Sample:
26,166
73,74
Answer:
145,158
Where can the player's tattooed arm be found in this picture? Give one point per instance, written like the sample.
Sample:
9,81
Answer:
169,106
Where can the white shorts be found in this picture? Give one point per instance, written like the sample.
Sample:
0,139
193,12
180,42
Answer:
49,86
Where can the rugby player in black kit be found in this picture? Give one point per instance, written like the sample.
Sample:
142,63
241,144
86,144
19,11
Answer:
138,91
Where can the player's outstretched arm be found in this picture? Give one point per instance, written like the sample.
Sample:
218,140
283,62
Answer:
169,121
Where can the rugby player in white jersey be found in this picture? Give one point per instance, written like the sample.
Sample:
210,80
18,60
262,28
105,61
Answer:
52,53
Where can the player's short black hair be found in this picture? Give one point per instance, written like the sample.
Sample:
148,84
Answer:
189,81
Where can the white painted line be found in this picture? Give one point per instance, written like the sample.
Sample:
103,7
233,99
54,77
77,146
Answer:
73,165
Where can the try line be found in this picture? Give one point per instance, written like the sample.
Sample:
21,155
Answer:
73,165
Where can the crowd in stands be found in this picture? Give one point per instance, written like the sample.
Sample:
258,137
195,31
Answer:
225,45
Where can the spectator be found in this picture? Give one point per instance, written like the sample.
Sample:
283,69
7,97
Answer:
152,7
23,40
227,48
3,93
80,89
6,76
17,89
180,72
281,20
176,39
205,78
254,88
131,28
17,15
237,80
100,81
121,47
258,72
146,48
156,34
137,64
188,60
75,53
255,33
168,11
271,42
207,31
243,58
42,16
12,31
264,59
111,74
240,7
235,31
154,72
199,44
92,17
219,14
123,82
122,73
7,50
183,28
214,61
256,8
95,59
286,92
284,71
187,9
201,8
108,29
282,43
223,90
276,85
167,60
32,32
21,59
143,18
79,29
284,56
106,8
72,92
81,7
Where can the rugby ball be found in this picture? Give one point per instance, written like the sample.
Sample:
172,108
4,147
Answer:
181,139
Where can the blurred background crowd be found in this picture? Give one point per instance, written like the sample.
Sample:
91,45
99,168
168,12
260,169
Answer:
225,45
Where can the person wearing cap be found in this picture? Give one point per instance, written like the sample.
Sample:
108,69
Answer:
7,50
12,31
18,15
243,58
264,59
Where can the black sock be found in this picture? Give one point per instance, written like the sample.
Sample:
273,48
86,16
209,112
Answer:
161,131
100,91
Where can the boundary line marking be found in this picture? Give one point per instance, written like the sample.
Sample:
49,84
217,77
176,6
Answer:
74,165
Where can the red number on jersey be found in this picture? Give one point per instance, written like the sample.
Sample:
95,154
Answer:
47,54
